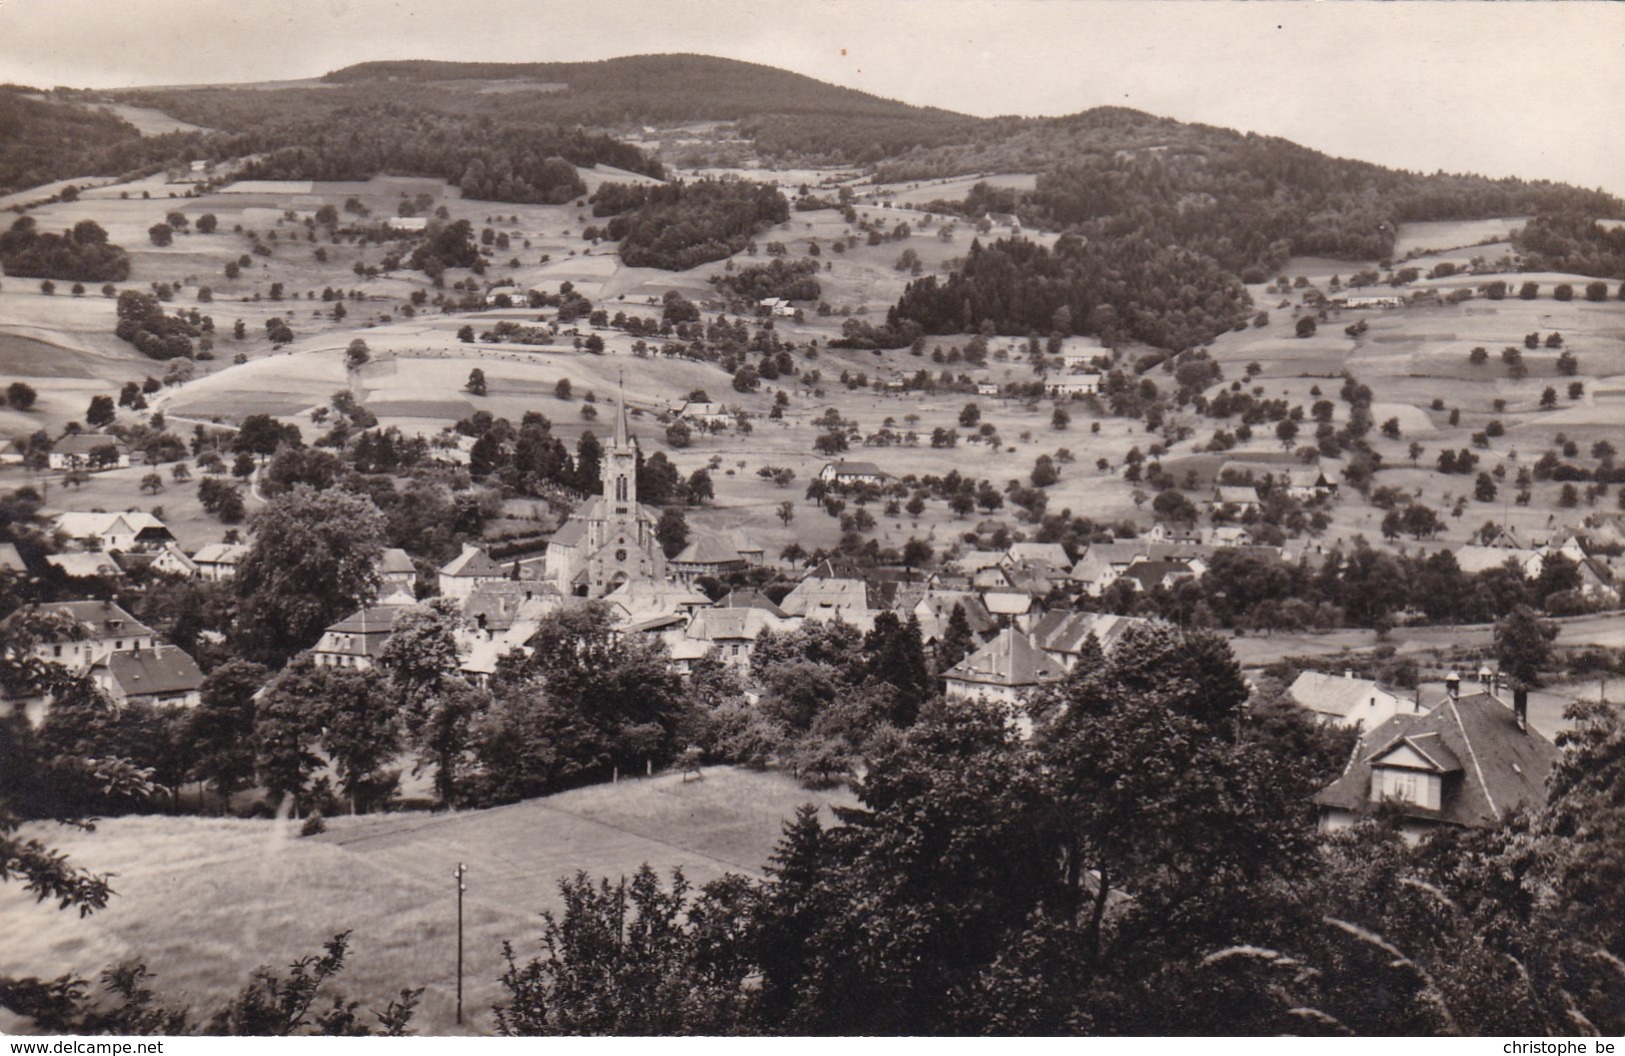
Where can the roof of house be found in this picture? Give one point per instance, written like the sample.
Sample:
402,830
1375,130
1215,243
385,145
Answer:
1049,553
10,559
497,602
473,563
220,553
161,669
817,592
103,618
1336,695
642,599
85,443
743,598
1153,572
718,624
1490,763
940,604
710,548
1475,559
83,524
1063,631
370,627
1010,660
844,468
974,561
1236,494
89,563
395,561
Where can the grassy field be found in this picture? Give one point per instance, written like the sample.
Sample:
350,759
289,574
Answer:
207,900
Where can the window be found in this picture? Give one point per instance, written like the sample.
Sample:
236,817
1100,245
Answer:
119,644
620,556
620,489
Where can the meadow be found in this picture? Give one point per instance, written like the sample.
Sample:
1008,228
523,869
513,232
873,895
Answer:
206,900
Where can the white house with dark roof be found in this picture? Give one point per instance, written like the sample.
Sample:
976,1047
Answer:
1468,762
217,561
844,472
77,451
468,571
396,572
164,674
131,530
104,628
1010,668
357,640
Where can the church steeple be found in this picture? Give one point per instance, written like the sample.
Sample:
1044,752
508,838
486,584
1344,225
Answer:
621,466
621,431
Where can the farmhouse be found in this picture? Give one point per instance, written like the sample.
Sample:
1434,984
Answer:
1343,700
610,539
715,554
1370,300
1475,559
164,674
1072,385
1468,762
113,531
89,451
987,388
1244,499
710,415
216,561
1063,635
85,563
104,628
407,223
1309,483
843,472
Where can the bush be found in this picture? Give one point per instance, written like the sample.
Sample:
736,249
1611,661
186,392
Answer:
314,825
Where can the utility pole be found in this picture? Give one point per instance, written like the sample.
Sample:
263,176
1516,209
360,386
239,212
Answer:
462,870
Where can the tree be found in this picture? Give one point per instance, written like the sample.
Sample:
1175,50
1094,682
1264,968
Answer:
970,415
222,727
678,434
439,706
1060,419
894,654
1044,472
1523,645
671,532
161,234
314,559
1548,398
562,389
152,483
357,354
101,412
465,334
1484,489
698,489
1306,326
476,382
786,512
21,395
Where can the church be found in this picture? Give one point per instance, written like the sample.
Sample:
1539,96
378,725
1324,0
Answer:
610,539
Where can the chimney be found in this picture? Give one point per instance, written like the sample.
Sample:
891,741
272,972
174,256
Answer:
1520,708
1452,685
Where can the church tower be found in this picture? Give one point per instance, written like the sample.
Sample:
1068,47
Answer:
621,468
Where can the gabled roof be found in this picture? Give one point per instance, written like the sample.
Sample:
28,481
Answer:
104,619
710,548
1053,554
1065,632
1235,494
1336,695
84,564
742,598
473,563
1474,559
1489,765
714,624
10,559
940,604
143,672
85,443
816,593
844,468
220,553
1010,660
83,524
395,561
1152,573
498,603
370,627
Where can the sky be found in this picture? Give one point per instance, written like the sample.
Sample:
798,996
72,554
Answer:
1532,89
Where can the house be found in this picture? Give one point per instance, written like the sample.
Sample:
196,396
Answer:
397,574
85,564
715,554
1229,535
827,596
104,628
732,632
935,608
1009,669
1468,762
1153,572
843,472
216,561
87,451
164,674
1385,300
1162,532
11,560
710,415
1243,499
746,598
114,531
406,223
1063,635
1072,385
357,640
468,571
1052,554
11,454
987,388
1308,483
1475,559
1343,700
639,601
171,560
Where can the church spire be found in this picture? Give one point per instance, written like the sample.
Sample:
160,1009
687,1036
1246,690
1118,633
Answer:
621,431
